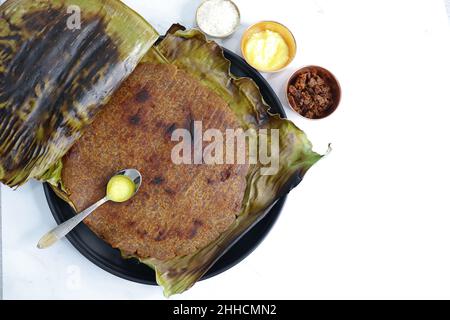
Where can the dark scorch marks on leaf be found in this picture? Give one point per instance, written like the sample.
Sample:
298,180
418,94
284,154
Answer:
27,59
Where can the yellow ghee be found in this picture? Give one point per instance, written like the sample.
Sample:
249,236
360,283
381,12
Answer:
267,51
120,189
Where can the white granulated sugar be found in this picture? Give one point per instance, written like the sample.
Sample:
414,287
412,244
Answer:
217,17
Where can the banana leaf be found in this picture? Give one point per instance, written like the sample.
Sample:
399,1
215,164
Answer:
190,51
60,61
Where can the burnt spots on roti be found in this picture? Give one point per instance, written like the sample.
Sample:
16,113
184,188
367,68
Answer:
142,96
157,180
195,226
225,175
190,125
135,119
171,128
169,191
142,233
168,128
131,224
160,236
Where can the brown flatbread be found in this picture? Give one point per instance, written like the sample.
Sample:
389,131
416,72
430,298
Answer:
179,208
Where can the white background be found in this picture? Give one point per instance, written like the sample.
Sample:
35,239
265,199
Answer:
372,220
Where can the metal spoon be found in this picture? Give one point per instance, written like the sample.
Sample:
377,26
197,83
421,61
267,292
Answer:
64,228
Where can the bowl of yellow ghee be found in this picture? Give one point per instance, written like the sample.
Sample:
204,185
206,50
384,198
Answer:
268,46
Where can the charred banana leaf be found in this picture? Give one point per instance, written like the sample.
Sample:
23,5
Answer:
60,61
189,50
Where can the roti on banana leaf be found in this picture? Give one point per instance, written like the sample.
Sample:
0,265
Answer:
179,208
186,216
56,78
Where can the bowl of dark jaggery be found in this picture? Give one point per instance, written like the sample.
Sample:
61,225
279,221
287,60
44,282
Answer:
313,92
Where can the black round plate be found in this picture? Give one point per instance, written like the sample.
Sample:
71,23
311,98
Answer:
109,259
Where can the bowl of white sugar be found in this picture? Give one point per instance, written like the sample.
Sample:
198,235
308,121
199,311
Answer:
218,18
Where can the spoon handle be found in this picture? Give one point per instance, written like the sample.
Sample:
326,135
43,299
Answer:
64,228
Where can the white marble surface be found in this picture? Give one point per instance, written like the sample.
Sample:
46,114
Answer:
447,4
369,221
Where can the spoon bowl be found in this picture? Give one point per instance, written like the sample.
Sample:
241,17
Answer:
134,175
63,229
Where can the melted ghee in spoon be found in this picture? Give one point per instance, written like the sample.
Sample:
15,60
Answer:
120,189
